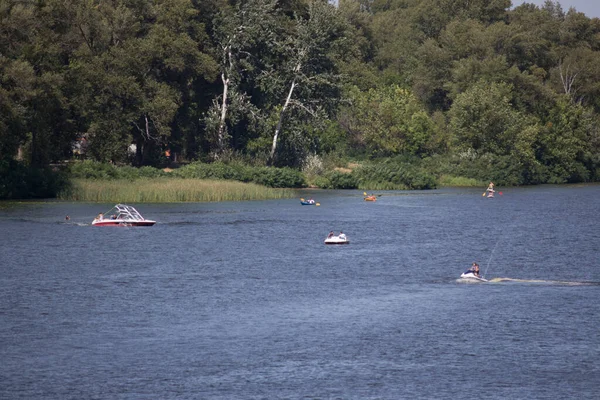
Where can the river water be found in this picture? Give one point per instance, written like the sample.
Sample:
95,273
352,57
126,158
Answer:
244,301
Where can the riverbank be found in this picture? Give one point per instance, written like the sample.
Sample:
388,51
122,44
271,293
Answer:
169,190
92,181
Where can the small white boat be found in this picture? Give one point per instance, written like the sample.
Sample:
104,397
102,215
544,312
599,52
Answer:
122,215
469,276
340,239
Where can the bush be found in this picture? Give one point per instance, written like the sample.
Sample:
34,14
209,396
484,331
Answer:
96,170
133,173
322,182
507,170
267,176
17,181
198,170
93,170
338,180
278,177
394,174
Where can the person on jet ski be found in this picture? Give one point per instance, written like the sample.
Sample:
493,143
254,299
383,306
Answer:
474,269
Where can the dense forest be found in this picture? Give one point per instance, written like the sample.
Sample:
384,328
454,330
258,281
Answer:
464,88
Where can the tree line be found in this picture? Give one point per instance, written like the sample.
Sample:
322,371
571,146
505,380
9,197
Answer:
465,88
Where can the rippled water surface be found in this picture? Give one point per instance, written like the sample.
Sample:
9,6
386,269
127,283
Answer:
244,301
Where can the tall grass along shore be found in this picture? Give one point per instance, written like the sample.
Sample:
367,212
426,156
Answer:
169,190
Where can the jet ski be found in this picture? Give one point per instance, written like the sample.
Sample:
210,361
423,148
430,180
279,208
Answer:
469,276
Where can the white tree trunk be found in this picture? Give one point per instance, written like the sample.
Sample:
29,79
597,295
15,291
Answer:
285,106
225,78
147,126
221,131
567,77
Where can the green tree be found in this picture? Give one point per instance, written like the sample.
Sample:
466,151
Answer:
484,120
389,121
34,46
136,86
577,75
569,143
239,33
306,88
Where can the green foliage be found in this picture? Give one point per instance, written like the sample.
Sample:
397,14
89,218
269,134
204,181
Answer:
568,142
103,171
133,173
470,168
475,90
459,181
337,180
482,118
198,170
267,176
305,87
393,174
389,121
93,170
18,181
278,177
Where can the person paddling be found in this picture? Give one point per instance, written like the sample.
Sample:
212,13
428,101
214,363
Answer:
490,187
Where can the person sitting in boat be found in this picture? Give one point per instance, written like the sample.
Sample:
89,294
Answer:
311,201
330,235
100,216
490,187
342,236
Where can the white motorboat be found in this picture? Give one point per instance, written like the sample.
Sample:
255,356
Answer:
469,276
340,239
122,215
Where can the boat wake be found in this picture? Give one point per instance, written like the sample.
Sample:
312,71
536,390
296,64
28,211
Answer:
543,282
469,280
70,223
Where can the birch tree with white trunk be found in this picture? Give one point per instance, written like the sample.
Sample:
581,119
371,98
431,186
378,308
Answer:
309,74
238,32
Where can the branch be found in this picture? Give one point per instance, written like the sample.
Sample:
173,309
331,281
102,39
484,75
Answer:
298,104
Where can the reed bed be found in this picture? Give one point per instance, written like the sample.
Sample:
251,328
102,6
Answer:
459,181
169,190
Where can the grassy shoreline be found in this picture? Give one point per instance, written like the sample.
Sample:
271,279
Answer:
169,190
